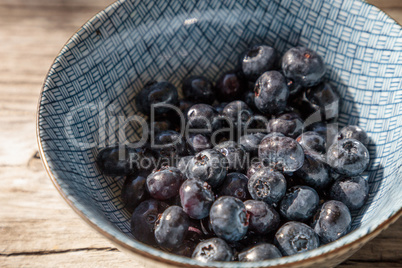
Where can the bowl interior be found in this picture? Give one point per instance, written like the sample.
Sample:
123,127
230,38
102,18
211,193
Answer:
94,81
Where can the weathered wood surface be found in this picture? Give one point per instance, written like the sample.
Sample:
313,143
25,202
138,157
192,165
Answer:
37,228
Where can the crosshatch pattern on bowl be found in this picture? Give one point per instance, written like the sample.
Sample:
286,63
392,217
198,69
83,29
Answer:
111,58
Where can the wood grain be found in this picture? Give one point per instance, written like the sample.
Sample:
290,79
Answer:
37,228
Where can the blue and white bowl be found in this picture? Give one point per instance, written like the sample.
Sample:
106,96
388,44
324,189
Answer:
95,78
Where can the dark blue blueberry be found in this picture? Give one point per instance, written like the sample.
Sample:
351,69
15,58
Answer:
208,165
159,126
238,113
303,66
289,124
332,221
196,198
134,191
172,227
157,94
267,185
213,249
220,106
281,153
235,153
323,98
299,204
186,249
251,142
312,141
348,157
257,124
115,161
203,118
263,218
259,253
271,93
235,185
353,132
319,127
165,183
257,60
144,159
314,172
183,162
170,144
198,142
249,97
198,89
144,218
253,168
228,217
295,88
230,86
353,192
185,105
296,237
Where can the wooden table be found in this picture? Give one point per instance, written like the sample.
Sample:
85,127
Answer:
37,228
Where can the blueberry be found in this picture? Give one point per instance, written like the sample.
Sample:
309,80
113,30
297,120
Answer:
235,185
289,124
115,161
251,142
183,162
332,221
281,153
248,98
295,88
258,60
257,124
353,192
303,66
323,98
259,253
134,191
348,157
253,168
228,217
296,237
353,132
230,86
235,153
198,89
159,126
172,227
208,165
196,198
213,249
157,94
186,249
170,144
220,106
268,186
198,142
165,183
319,127
185,105
314,172
203,118
312,141
271,93
263,218
299,204
144,218
238,113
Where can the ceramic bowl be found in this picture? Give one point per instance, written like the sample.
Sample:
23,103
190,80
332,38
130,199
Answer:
98,73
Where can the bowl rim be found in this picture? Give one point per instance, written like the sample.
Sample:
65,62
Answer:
359,235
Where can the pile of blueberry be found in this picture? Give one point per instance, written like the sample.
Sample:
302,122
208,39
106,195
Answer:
278,185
